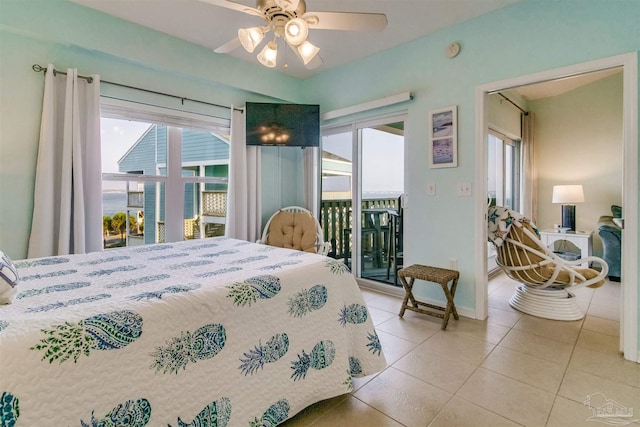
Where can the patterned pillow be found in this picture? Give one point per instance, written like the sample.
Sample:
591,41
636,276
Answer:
616,211
8,279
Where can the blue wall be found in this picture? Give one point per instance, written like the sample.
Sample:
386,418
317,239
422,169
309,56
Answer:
527,37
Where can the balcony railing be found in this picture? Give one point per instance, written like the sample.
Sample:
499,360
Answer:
336,216
214,203
135,199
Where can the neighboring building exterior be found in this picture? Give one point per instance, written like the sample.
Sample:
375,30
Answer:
203,154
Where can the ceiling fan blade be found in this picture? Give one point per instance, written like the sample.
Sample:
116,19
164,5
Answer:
228,4
228,46
350,21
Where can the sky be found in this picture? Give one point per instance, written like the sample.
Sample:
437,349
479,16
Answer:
117,137
382,158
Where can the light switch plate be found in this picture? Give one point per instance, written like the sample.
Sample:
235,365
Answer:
464,189
431,188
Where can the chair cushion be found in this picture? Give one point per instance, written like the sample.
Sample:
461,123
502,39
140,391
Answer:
517,256
293,230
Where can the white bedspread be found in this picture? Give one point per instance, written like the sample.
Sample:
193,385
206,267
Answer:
216,332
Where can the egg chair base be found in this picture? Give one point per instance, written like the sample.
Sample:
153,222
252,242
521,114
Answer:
550,303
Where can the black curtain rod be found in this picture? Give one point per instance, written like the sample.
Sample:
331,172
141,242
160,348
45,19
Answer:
38,68
526,113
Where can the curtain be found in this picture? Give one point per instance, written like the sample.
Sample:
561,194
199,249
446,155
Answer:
67,207
310,160
529,184
244,213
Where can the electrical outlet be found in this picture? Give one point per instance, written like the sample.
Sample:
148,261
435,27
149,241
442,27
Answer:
431,188
464,189
453,264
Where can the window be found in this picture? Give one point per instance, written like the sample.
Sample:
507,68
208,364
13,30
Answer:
504,171
161,181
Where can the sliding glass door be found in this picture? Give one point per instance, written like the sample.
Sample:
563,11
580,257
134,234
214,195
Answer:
363,178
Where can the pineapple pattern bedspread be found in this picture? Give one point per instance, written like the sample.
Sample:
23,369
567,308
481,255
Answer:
215,332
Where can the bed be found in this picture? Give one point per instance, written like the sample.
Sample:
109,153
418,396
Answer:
216,332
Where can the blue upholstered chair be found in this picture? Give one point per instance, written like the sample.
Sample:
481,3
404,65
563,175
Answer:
610,233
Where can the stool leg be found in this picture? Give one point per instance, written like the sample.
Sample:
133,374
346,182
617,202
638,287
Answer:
453,293
407,294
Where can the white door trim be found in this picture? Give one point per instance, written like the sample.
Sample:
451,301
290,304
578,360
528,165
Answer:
629,298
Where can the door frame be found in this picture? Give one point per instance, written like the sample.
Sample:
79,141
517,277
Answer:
629,295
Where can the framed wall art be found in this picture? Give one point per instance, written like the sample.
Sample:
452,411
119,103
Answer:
443,141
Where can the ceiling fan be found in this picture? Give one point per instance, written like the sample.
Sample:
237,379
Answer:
290,21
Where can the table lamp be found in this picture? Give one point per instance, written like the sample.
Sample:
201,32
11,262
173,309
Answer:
568,196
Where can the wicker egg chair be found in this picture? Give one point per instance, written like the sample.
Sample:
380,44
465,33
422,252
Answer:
546,280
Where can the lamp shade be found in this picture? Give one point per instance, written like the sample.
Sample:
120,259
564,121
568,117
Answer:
250,37
567,194
268,55
307,51
296,31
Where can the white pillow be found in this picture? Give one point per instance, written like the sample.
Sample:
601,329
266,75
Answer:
619,222
8,279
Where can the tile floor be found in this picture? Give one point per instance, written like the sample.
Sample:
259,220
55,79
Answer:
510,370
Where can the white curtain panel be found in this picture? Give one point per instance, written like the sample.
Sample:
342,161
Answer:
244,211
529,187
67,206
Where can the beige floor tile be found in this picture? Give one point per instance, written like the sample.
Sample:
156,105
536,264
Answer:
393,347
530,370
477,329
556,329
460,413
502,317
455,347
404,398
381,301
354,413
500,303
604,311
566,412
538,346
599,342
312,413
379,316
412,329
608,295
435,368
522,403
604,326
607,365
578,385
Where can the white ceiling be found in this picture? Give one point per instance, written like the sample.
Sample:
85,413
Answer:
211,26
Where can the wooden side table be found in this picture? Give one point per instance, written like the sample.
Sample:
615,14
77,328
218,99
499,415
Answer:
437,275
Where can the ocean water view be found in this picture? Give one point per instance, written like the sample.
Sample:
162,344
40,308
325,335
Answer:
113,202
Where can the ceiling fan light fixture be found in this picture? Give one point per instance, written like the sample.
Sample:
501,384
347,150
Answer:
296,31
250,38
307,51
268,55
288,5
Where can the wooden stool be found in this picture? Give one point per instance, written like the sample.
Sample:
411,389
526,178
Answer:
437,275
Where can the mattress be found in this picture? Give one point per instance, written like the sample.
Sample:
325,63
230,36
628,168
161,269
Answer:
216,332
